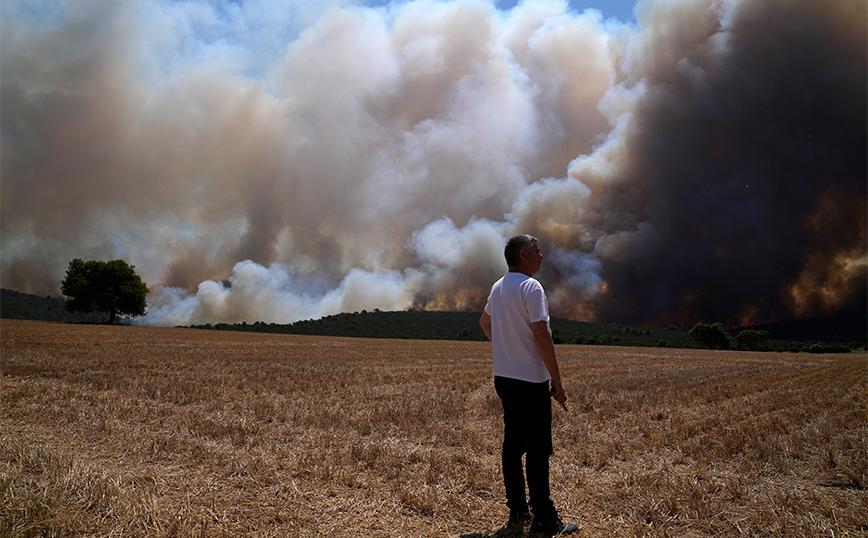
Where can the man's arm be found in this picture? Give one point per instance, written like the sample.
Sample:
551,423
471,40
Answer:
485,323
546,346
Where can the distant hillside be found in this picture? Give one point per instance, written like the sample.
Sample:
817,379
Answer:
15,305
840,328
784,336
376,324
459,326
465,326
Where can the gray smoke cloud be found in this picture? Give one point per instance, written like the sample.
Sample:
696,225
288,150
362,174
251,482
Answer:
278,160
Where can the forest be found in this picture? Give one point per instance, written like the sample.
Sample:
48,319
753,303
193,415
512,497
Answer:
820,335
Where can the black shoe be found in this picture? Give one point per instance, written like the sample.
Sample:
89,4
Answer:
551,524
517,518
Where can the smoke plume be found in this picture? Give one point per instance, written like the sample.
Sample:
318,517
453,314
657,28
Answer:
284,160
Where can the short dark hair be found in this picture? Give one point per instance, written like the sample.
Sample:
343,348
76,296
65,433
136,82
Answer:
514,246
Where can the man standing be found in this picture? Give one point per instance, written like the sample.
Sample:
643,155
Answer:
516,320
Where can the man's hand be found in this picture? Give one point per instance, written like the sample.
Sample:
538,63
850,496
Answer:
558,392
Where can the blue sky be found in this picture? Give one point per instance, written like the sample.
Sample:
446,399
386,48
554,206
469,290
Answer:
619,9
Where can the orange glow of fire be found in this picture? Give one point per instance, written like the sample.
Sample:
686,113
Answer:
836,260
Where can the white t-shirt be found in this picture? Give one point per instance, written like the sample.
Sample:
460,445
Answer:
516,301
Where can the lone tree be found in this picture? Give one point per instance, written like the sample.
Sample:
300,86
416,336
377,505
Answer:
112,287
711,336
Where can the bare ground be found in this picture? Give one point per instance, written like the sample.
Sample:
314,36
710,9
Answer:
132,431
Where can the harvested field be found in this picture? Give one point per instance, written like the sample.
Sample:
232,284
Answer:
133,431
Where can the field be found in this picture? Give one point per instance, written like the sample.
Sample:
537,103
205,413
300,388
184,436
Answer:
133,431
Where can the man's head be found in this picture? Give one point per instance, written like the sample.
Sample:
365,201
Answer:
523,254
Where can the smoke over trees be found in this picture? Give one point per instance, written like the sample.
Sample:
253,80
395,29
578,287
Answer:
284,162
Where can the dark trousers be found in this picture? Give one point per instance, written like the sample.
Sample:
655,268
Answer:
527,431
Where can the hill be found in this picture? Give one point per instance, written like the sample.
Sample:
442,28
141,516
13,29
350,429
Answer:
16,305
839,328
784,336
794,335
424,325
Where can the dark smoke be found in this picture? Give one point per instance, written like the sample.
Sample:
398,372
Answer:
741,166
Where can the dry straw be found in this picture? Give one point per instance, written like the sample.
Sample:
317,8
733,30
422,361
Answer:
130,431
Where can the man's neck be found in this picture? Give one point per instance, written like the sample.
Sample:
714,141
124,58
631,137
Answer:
520,270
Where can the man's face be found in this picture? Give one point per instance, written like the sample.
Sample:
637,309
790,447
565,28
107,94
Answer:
532,257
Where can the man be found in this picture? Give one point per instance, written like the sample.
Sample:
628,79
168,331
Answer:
516,320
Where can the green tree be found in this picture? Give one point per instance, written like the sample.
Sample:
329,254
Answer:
556,337
750,339
113,287
711,336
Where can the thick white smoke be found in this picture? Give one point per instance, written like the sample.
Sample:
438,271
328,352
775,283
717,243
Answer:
369,165
283,160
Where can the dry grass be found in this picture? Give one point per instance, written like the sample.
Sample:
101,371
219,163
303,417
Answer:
130,431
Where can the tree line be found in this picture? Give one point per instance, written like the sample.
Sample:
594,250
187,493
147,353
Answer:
115,289
715,336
